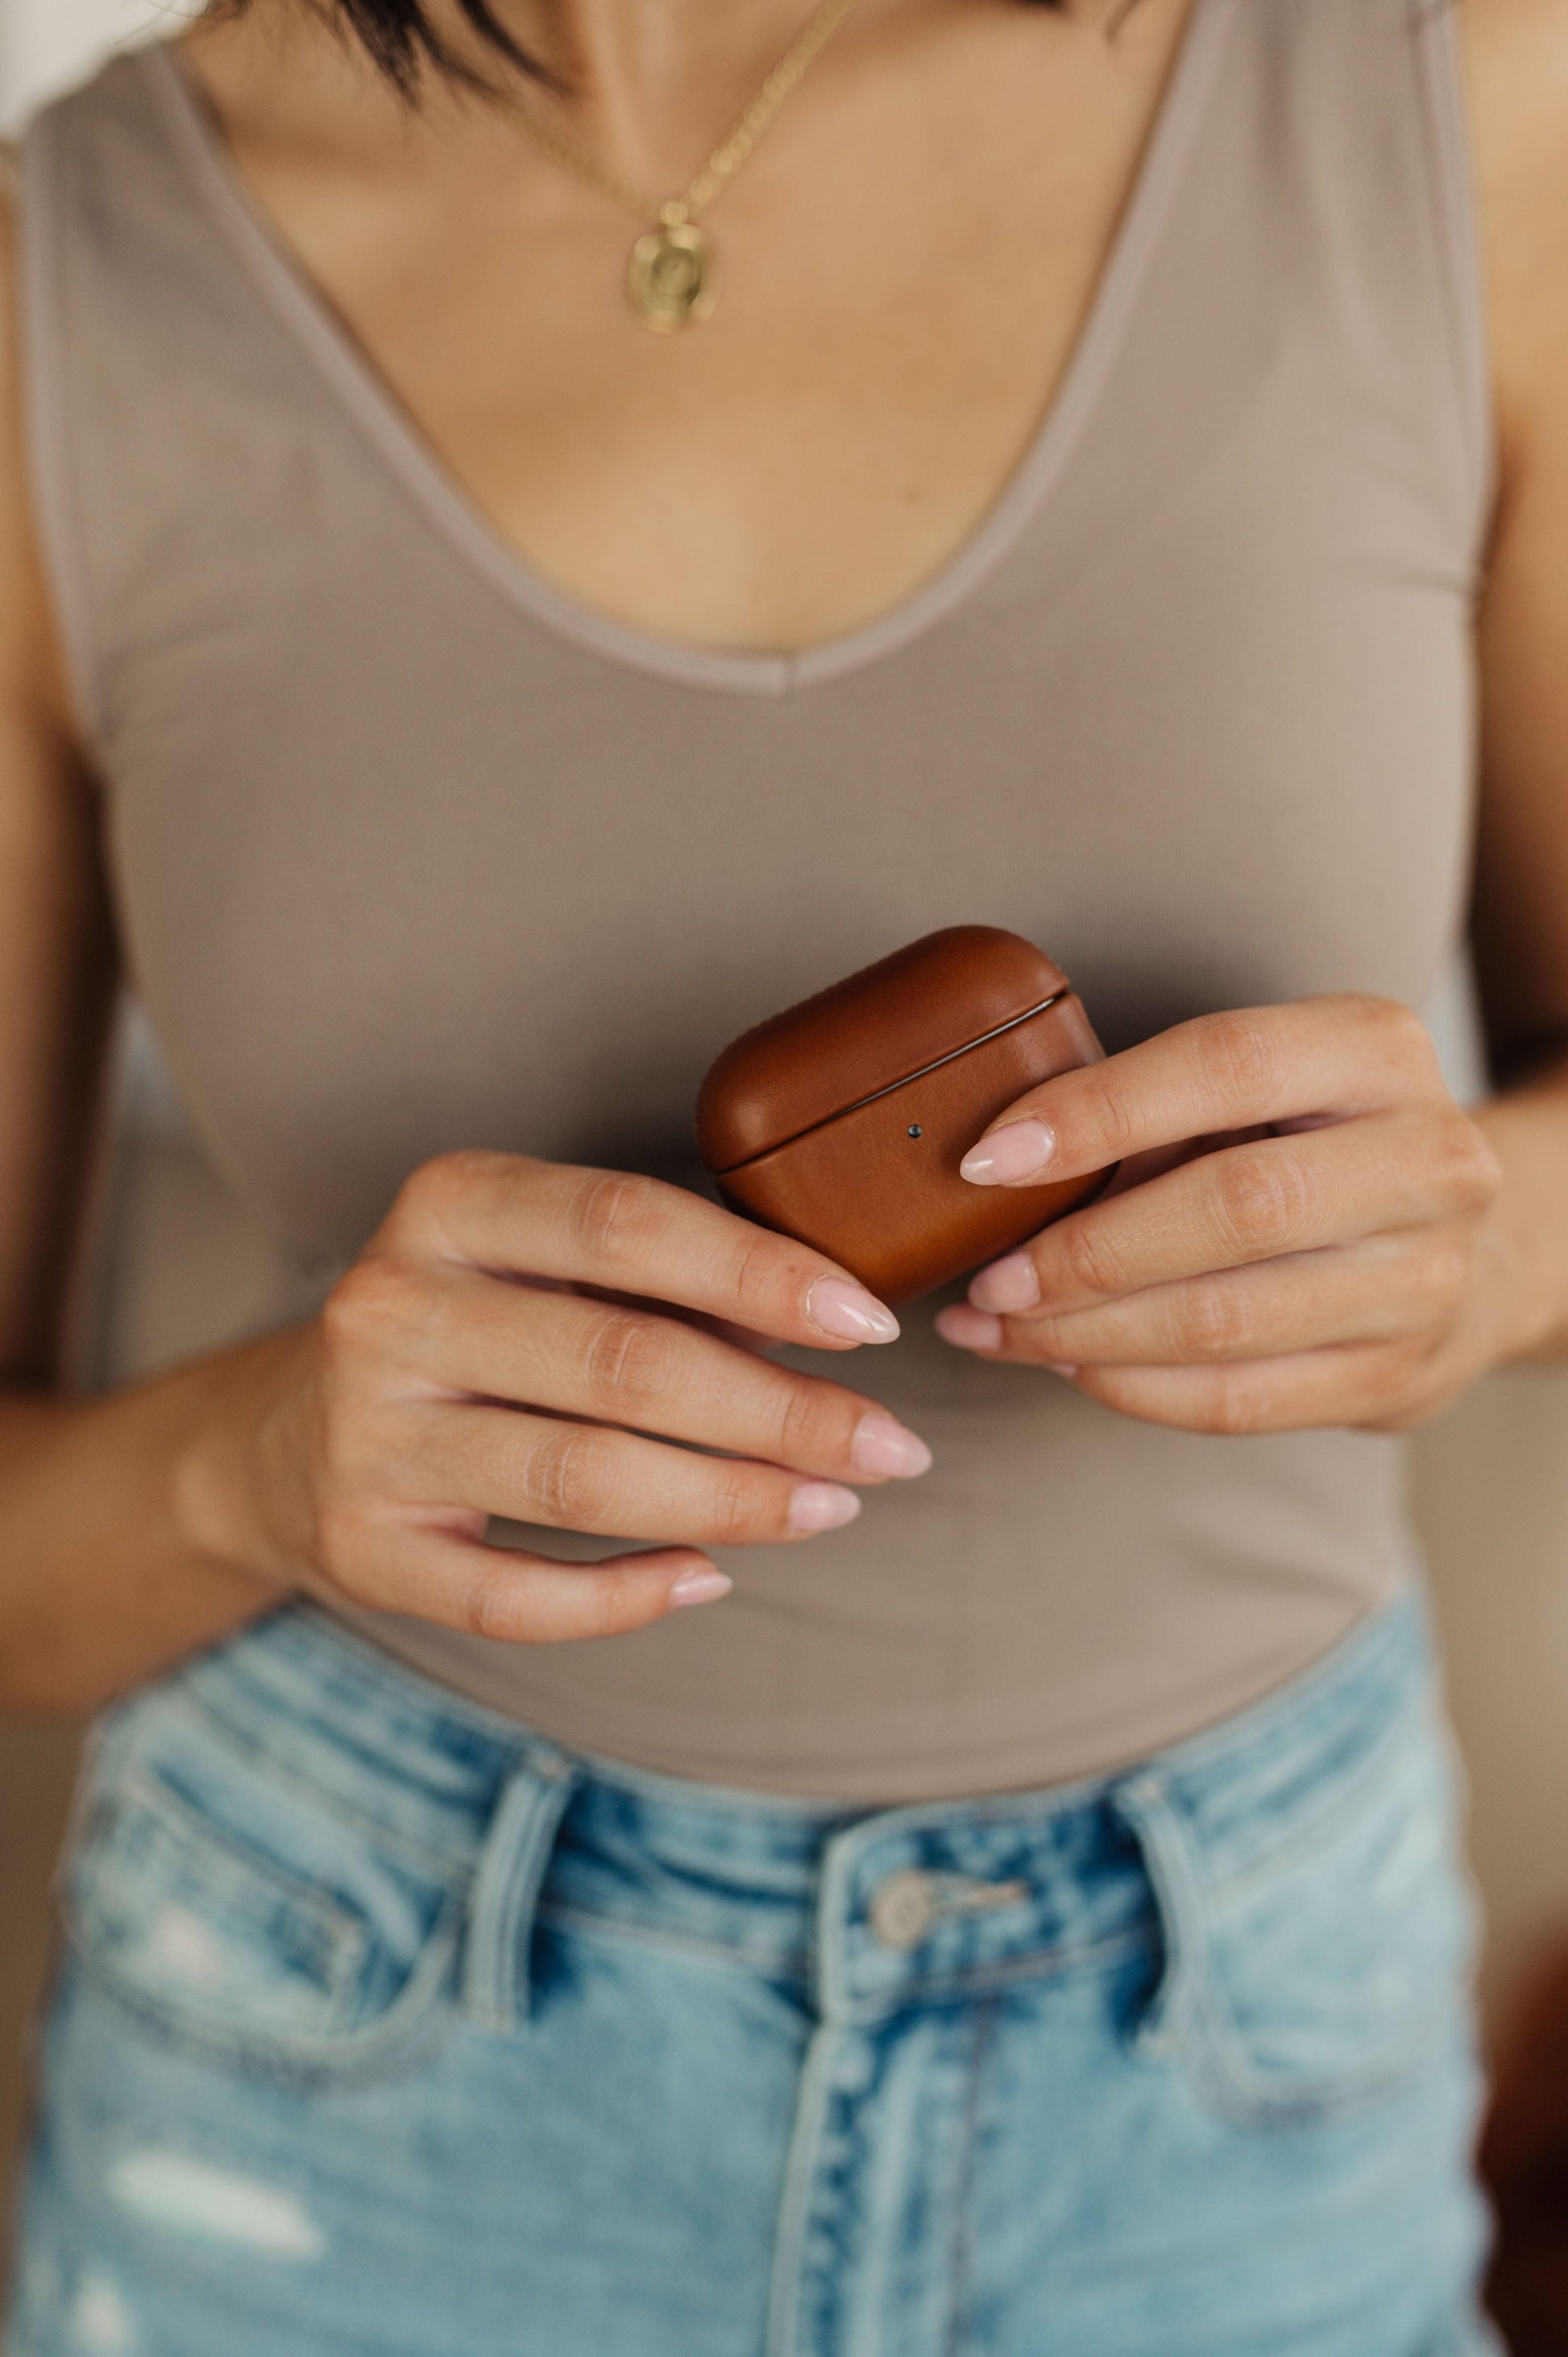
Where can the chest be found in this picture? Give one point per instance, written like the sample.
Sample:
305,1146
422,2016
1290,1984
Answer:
904,268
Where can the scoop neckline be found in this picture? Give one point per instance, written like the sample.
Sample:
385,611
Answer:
373,405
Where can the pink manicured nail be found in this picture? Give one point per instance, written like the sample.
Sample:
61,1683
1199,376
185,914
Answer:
698,1586
882,1445
971,1329
821,1506
847,1312
1019,1149
1006,1284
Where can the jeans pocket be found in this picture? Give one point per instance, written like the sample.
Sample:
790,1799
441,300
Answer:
1336,1962
237,1911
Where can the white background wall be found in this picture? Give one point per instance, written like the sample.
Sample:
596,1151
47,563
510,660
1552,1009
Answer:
45,44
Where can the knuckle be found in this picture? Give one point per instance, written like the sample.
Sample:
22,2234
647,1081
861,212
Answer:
629,1360
615,1215
765,1268
1212,1320
1241,1055
1045,1340
1386,1032
1236,1407
731,1516
1398,1026
809,1429
1262,1199
492,1606
497,1604
1447,1276
1105,1111
613,1603
428,1193
568,1479
1472,1168
1092,1256
368,1306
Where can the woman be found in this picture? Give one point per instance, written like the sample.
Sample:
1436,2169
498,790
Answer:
481,629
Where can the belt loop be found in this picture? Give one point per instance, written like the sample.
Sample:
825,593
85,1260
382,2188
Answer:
1145,1807
507,1876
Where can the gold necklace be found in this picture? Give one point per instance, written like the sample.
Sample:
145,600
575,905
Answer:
672,274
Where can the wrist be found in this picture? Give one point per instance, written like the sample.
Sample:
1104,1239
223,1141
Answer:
233,1479
1522,1259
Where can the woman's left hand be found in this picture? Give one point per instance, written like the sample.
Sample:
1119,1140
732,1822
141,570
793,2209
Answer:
1302,1231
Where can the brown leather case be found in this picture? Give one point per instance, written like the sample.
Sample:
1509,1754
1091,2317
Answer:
842,1121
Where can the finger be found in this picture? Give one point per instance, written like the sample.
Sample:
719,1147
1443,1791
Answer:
725,1328
584,1477
629,1366
1326,1058
519,1597
1249,1203
1376,1386
515,1216
1385,1289
728,1332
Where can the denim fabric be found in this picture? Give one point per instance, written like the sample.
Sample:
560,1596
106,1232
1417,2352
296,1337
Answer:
383,2027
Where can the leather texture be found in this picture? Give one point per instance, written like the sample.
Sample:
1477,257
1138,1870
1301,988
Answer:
876,1186
877,1026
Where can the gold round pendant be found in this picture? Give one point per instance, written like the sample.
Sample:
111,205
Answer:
671,277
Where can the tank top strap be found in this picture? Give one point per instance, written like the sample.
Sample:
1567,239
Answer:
152,377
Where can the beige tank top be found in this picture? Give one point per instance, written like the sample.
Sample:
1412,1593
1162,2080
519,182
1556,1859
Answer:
413,852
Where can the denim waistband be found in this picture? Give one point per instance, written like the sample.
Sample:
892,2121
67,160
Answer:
867,1908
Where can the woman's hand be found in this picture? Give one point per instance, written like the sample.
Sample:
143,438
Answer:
1301,1231
470,1365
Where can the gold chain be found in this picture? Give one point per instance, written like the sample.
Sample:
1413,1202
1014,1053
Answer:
727,157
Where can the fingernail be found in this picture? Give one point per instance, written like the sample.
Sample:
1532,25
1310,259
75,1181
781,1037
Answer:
972,1330
847,1312
882,1445
1019,1149
701,1585
821,1506
1062,1367
1006,1284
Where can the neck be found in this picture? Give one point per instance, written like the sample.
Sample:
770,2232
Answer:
650,85
654,84
656,47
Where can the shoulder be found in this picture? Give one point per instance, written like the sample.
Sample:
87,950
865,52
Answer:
1522,43
32,669
13,470
1516,58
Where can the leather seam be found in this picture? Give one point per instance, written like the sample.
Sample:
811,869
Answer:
841,1113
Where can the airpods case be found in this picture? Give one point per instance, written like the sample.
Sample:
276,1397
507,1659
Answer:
842,1121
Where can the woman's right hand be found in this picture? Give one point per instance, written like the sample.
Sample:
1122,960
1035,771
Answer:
468,1366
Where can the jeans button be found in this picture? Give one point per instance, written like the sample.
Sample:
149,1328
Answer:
903,1908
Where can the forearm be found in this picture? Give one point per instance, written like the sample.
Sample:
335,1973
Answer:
107,1570
1527,1126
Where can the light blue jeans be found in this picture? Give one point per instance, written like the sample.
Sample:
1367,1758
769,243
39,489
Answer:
383,2027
